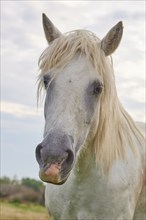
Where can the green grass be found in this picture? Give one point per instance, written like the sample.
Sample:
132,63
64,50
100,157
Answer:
16,211
28,206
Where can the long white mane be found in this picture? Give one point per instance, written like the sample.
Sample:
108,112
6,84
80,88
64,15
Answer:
114,129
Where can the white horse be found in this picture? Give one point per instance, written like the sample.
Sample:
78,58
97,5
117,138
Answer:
93,153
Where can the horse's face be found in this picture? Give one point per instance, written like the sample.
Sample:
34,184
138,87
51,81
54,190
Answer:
72,100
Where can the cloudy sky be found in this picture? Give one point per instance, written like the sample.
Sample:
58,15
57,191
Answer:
23,41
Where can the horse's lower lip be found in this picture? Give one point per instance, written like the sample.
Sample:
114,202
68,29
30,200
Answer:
57,179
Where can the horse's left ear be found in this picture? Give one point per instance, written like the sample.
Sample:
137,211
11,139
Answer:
111,41
51,32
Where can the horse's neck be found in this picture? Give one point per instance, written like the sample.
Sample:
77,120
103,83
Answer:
86,162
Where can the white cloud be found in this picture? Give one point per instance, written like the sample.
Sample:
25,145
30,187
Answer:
19,110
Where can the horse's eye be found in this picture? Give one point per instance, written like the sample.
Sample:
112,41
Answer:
97,88
46,80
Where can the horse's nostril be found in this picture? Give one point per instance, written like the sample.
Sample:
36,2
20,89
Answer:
38,154
70,157
46,156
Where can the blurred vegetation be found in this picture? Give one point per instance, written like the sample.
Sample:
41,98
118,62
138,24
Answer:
33,184
24,191
21,211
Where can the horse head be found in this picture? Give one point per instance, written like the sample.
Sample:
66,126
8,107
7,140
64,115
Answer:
74,88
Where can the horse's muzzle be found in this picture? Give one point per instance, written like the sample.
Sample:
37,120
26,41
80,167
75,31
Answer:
55,156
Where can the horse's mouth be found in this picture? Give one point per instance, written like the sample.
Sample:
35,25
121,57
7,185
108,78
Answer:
53,173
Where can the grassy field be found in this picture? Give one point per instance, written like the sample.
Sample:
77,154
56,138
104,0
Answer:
12,211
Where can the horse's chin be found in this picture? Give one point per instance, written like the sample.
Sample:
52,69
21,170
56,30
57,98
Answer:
58,183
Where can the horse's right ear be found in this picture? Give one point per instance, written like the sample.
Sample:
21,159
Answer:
111,41
51,32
